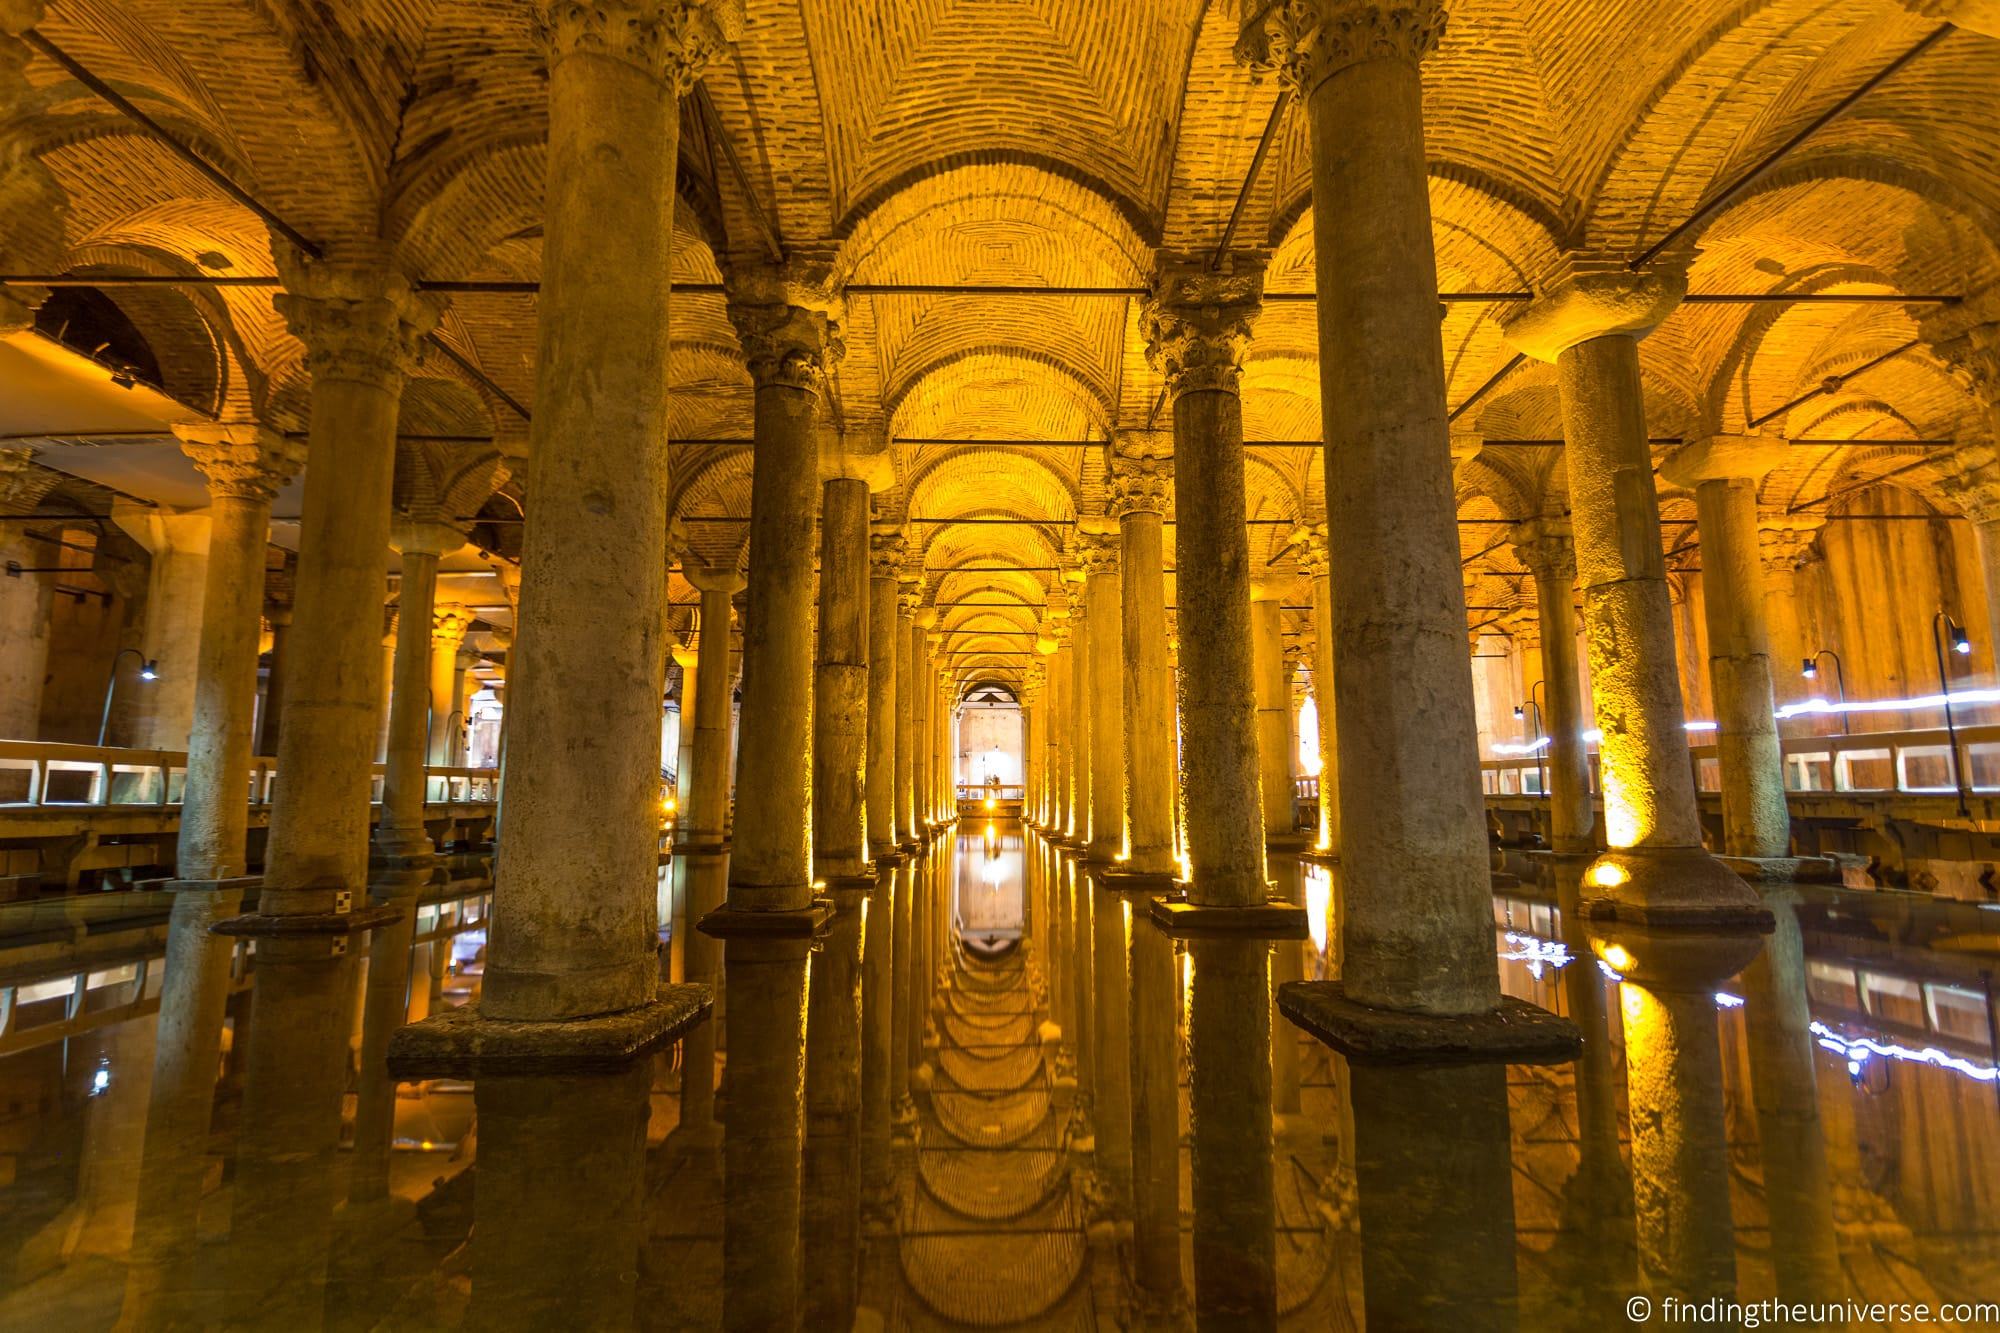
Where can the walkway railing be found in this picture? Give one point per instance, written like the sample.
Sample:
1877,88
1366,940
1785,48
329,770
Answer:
1916,762
975,791
44,774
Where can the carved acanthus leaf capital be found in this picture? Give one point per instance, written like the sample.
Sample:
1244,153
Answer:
240,460
673,40
449,623
1197,323
358,322
1313,554
1306,42
786,345
1785,542
1140,484
1546,547
887,552
1099,554
1972,481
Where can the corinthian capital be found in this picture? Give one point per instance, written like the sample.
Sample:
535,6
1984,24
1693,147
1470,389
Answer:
1306,42
240,460
1099,554
788,320
449,623
1197,322
358,322
887,549
1972,481
1544,545
1141,484
1314,559
673,40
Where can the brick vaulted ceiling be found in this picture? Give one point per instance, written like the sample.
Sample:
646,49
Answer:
1066,142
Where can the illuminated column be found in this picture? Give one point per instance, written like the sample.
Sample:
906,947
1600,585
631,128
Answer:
1033,682
907,602
1156,1117
923,700
840,687
878,1004
24,599
885,557
1418,931
706,818
1972,480
1589,325
1197,327
175,580
1313,565
904,987
278,615
1058,631
245,466
1076,819
1723,473
685,658
1140,481
1784,542
1544,546
1274,710
1106,693
412,697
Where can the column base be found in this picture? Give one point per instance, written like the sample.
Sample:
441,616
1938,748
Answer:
1094,855
1288,842
850,883
400,850
726,923
1318,857
464,1043
1670,886
1136,881
1784,869
334,927
241,884
886,857
1274,919
705,847
1514,1033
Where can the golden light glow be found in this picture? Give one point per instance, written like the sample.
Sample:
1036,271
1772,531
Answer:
989,803
1608,875
1618,956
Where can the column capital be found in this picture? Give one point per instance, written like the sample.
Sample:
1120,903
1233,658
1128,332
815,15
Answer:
1590,298
924,618
1723,458
240,460
887,550
1972,481
672,40
449,623
787,316
1306,42
358,321
685,656
1099,553
1267,590
23,482
1784,541
410,537
1140,484
1197,321
909,594
1546,547
468,656
1523,623
710,579
1966,338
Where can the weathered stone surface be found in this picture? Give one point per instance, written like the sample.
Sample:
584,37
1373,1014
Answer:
1515,1032
464,1043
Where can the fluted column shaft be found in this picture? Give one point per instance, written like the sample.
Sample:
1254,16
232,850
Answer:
1107,731
885,555
1419,929
1197,328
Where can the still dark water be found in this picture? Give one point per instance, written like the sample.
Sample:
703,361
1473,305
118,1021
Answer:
1048,1117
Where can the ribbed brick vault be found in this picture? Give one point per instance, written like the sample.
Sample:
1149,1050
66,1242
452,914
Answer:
1065,144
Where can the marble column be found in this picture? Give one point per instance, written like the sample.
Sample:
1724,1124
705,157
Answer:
907,601
1419,930
1076,697
1543,545
923,702
1197,327
1723,472
1314,564
885,557
1274,709
840,683
706,818
1589,324
1972,481
1232,1185
1106,694
278,615
1111,1038
1140,482
420,628
686,659
787,323
1058,728
1156,1116
1033,683
878,1002
245,466
1784,542
175,582
24,599
830,1215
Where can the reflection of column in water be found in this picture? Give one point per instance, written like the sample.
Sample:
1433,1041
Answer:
556,1217
1080,969
1156,1117
878,988
1110,923
1797,1187
1287,964
1673,1071
281,1222
899,1033
1229,1105
707,875
1434,1164
832,1165
384,1005
764,1138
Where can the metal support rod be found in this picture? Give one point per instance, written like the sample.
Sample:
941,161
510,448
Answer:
1834,383
1942,623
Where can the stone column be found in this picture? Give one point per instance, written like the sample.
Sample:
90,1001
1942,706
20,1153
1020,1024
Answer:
1058,728
278,615
1274,709
685,658
1589,324
1543,545
1106,695
418,626
1110,925
245,466
840,685
1972,480
1723,473
24,599
1076,696
1231,1177
907,602
1033,681
1314,564
885,557
878,1003
786,325
903,1011
923,702
1784,542
449,624
707,815
1197,326
1140,481
175,583
1156,1118
1419,928
831,1176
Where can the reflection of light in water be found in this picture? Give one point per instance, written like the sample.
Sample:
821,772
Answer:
991,872
1859,1050
1319,898
1536,953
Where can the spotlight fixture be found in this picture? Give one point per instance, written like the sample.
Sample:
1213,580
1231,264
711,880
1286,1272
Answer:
1810,670
1961,643
149,669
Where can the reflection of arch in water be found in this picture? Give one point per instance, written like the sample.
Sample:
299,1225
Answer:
989,902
